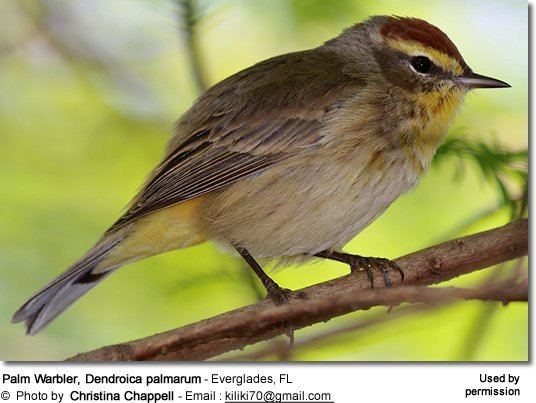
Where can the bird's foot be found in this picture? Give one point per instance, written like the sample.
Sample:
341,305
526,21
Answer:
280,296
368,264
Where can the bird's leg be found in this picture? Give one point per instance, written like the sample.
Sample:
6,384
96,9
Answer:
277,294
366,264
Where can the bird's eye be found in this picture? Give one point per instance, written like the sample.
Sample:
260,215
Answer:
421,64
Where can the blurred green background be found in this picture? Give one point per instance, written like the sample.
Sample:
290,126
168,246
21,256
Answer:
88,93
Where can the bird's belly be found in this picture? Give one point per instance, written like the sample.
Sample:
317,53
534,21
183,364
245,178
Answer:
295,210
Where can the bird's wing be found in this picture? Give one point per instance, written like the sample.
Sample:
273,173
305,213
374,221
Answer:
231,133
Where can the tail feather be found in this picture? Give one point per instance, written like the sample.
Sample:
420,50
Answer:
54,298
158,232
66,294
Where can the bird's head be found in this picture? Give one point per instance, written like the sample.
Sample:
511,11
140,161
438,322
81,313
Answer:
414,72
411,54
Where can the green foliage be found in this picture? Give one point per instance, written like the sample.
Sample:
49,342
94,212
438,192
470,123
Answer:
505,169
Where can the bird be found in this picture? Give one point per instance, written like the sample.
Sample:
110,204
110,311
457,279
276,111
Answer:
289,159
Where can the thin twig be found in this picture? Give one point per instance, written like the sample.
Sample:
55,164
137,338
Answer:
482,320
189,17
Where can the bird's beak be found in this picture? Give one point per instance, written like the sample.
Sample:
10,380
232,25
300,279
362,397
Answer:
473,80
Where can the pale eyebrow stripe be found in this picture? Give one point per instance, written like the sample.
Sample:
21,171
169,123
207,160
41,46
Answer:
441,59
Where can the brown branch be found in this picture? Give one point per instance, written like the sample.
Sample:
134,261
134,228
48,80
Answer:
505,292
262,321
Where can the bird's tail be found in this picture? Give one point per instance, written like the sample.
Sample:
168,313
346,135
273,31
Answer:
78,279
158,232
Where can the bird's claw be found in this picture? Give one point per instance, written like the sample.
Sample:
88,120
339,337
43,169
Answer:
280,296
367,264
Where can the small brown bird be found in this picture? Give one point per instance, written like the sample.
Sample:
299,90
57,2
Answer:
289,158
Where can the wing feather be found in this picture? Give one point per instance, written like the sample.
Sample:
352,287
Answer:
241,126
